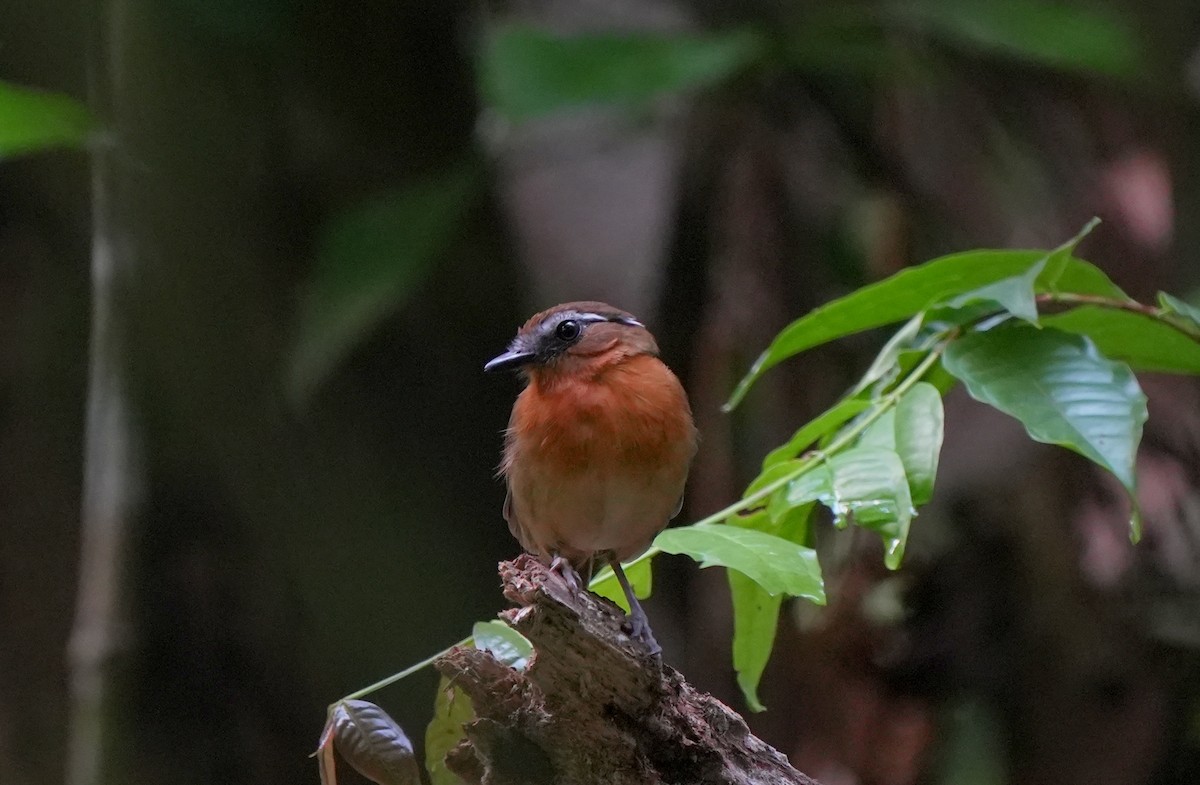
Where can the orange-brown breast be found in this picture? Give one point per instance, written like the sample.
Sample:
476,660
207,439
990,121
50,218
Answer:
597,461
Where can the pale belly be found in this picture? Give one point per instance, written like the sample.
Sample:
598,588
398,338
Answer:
580,514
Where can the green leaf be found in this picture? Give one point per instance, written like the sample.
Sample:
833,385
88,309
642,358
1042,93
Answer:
772,474
32,120
936,375
1079,277
825,423
527,72
1173,306
753,519
755,611
1145,343
779,566
755,619
1015,294
945,317
880,434
1055,35
370,259
1060,257
451,711
903,295
640,576
913,430
502,642
791,525
795,525
863,485
886,361
1061,389
919,427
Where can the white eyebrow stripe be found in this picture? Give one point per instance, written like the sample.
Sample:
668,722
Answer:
590,317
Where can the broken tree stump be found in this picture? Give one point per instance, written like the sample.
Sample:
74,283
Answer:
593,706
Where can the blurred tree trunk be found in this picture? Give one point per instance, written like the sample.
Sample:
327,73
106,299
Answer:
112,482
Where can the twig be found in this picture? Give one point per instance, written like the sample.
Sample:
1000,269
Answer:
1132,306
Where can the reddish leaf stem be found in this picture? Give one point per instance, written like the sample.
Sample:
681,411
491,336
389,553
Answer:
1132,306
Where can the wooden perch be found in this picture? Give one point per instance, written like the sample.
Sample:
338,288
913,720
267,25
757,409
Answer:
593,706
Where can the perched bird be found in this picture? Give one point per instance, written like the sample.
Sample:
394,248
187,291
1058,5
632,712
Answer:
599,443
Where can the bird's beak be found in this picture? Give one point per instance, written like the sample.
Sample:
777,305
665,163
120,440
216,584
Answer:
515,357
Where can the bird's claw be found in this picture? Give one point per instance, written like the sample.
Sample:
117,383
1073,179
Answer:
636,625
639,630
563,569
639,625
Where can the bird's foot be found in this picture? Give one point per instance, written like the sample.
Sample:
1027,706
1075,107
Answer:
638,624
563,569
639,630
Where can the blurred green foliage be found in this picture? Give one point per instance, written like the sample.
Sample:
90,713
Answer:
1053,35
32,121
370,258
525,72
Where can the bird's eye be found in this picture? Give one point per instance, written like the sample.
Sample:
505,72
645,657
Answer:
567,330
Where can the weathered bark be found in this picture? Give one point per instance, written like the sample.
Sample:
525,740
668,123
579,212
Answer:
593,706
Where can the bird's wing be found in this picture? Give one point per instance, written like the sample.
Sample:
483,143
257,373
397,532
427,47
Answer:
678,507
505,466
510,516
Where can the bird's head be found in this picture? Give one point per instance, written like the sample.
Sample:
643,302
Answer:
572,337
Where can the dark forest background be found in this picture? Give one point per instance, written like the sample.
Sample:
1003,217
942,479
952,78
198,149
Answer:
334,213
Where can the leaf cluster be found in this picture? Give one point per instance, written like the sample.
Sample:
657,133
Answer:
871,459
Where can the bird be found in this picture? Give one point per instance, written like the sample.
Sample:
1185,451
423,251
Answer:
598,446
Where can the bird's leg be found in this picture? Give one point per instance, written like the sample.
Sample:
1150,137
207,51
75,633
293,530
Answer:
564,570
639,625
